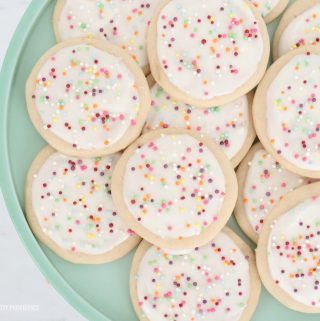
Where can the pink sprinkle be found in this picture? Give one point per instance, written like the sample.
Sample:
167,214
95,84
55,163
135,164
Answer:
168,294
131,232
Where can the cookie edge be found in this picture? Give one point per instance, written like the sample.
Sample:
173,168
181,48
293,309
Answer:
251,133
116,253
255,283
171,243
289,201
260,108
178,94
293,11
63,146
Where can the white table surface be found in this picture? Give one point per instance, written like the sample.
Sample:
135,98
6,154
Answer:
25,295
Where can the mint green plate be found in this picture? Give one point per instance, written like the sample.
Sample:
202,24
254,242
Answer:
98,292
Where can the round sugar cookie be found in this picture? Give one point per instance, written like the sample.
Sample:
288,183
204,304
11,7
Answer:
286,111
174,188
229,126
199,50
218,281
87,98
288,253
69,208
262,184
298,27
270,9
124,23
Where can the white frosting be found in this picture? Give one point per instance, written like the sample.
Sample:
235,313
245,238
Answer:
265,7
86,97
302,30
71,199
227,125
265,185
294,252
122,22
204,46
210,283
174,186
293,112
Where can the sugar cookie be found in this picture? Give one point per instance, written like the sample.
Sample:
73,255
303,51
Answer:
174,188
288,253
124,23
262,184
70,209
299,26
286,111
218,281
199,50
229,126
270,9
87,98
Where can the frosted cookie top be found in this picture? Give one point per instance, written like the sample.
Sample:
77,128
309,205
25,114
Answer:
304,29
293,113
172,187
210,282
266,182
222,36
71,203
122,22
294,252
87,98
227,125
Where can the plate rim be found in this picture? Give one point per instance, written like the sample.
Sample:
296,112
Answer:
16,214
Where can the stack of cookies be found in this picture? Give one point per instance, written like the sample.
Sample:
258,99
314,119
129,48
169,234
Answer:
148,106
